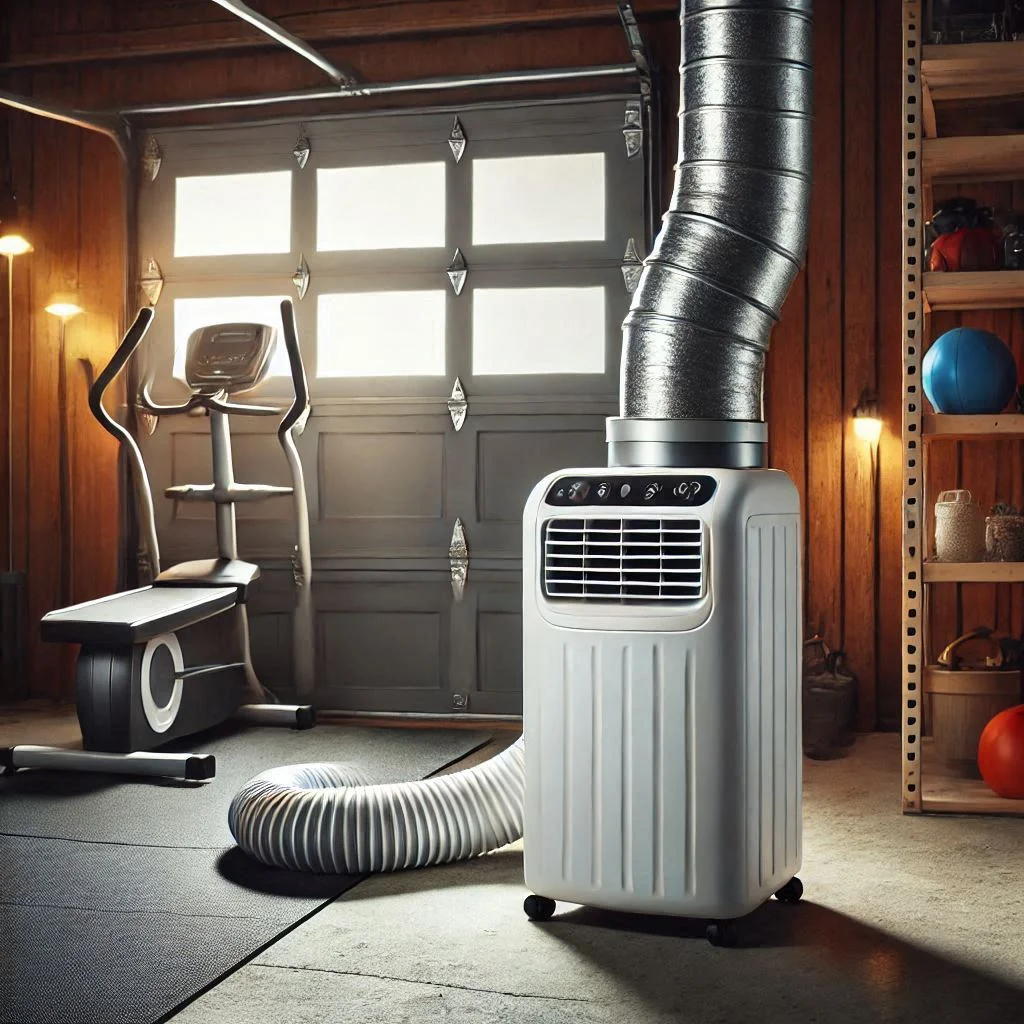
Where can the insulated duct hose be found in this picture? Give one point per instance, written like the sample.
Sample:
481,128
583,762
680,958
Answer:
734,238
327,818
694,346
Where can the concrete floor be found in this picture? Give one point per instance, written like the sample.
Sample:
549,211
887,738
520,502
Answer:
905,919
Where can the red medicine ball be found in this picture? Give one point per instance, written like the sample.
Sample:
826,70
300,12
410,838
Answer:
1001,753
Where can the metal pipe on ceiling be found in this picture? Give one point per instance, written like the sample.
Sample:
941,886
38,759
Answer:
388,88
283,36
106,124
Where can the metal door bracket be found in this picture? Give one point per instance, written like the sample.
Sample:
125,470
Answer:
457,405
301,278
457,140
458,554
632,266
301,150
152,157
152,280
633,129
458,272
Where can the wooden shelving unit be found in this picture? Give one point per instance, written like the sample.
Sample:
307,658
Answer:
1003,427
933,75
973,71
989,289
973,572
966,158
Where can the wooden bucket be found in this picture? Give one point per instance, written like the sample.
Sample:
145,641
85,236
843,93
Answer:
961,703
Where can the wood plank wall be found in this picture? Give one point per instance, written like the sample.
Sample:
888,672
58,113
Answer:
839,333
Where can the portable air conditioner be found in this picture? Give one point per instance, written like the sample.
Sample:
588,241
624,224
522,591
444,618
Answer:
661,691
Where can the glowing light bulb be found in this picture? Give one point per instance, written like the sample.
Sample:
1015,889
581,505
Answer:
867,428
65,310
14,245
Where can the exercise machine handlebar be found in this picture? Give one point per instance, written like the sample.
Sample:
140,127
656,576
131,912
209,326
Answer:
299,412
111,371
293,423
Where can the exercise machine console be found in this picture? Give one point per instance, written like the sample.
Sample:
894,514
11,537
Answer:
171,659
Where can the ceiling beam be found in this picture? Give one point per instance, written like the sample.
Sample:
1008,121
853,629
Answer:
401,18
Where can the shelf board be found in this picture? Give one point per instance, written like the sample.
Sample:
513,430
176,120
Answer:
970,158
973,71
986,289
945,795
945,427
974,572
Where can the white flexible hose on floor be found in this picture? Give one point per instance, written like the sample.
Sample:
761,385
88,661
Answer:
326,818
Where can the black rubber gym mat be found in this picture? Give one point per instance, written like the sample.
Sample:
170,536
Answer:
120,900
106,808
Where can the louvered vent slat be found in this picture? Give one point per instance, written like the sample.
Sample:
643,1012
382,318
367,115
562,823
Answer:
625,560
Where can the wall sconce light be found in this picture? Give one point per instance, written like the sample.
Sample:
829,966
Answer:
867,423
64,310
14,244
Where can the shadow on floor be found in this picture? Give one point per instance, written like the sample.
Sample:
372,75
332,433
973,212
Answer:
857,969
819,963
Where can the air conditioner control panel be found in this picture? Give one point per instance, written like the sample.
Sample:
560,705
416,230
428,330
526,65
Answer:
655,490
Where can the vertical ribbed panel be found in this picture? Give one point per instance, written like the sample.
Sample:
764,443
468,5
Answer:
616,746
773,720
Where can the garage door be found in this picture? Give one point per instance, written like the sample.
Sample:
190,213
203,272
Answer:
460,279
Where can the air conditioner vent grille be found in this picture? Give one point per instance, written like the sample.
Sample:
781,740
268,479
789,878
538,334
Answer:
626,560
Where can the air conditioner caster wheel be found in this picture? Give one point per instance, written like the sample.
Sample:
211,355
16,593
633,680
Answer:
722,933
539,908
791,892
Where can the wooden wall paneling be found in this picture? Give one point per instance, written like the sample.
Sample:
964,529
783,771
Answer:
860,511
21,133
888,218
56,229
825,413
101,271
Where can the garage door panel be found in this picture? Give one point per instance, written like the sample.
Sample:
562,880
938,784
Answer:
382,638
510,456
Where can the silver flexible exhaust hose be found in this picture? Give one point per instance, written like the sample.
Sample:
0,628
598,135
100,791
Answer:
694,347
327,818
734,238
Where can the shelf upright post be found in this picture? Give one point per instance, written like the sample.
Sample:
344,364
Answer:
913,442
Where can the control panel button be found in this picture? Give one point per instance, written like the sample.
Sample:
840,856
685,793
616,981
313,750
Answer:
603,490
651,491
624,491
578,491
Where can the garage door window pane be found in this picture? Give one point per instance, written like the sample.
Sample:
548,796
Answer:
191,314
381,334
539,199
396,207
233,214
538,330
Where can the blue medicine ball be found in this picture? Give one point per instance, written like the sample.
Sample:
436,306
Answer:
968,371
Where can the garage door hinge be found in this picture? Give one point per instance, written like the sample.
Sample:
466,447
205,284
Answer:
457,405
633,129
458,555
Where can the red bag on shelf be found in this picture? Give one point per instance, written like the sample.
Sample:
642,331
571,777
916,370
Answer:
967,249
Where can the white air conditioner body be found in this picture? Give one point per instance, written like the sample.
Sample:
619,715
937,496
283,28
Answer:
662,650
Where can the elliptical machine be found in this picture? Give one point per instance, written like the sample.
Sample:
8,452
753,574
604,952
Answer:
171,659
